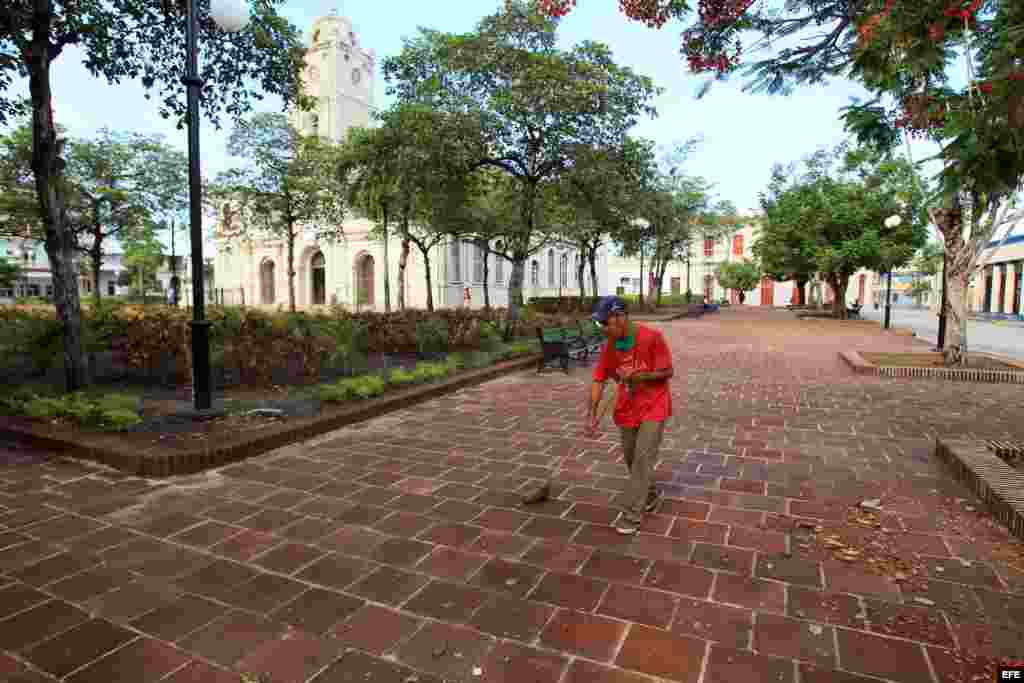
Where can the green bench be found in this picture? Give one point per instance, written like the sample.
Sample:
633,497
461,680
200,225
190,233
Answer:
559,344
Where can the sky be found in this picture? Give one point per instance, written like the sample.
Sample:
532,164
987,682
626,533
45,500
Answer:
743,134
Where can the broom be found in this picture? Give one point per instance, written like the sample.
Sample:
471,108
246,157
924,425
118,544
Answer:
608,399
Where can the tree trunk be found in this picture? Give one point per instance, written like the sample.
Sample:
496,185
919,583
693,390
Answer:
97,261
487,274
801,298
959,263
659,280
580,277
592,258
839,284
403,260
641,278
741,295
291,268
47,167
387,265
430,280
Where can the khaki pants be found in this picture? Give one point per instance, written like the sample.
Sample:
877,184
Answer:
640,448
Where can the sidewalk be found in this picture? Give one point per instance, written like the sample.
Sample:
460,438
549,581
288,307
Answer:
396,551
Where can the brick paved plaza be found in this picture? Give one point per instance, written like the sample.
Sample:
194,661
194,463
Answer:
397,551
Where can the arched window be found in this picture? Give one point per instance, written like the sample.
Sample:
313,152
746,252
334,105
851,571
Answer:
267,282
319,280
551,267
364,281
535,272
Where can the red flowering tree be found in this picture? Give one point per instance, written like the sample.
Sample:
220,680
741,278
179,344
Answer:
905,52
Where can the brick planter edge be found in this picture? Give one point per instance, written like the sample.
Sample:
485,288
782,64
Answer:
156,464
999,485
862,367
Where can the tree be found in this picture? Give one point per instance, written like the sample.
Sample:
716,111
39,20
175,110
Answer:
122,39
901,50
411,169
117,180
785,250
288,184
534,105
597,198
836,211
741,276
143,256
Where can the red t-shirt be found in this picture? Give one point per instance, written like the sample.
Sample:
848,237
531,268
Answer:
648,401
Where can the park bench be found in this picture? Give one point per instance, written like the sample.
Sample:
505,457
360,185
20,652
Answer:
592,335
853,311
559,344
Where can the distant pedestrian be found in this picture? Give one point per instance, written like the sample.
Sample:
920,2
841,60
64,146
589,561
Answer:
638,357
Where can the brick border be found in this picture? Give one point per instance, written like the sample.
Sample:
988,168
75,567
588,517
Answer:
999,485
861,366
105,449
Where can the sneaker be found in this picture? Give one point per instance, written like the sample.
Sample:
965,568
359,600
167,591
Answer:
627,526
654,502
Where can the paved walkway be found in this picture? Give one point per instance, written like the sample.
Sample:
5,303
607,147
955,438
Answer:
396,552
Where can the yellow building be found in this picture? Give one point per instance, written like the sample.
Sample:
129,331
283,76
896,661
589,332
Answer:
697,274
996,287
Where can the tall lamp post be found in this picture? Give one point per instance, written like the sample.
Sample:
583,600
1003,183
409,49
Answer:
892,221
230,16
942,310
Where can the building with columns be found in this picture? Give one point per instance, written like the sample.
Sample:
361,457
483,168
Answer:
340,74
697,275
997,288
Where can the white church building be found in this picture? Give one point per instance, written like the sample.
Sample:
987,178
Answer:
340,74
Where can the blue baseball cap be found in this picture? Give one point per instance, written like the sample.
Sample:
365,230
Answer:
607,307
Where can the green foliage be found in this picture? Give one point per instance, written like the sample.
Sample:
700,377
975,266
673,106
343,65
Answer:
362,387
830,216
490,336
429,372
431,336
287,180
9,272
522,115
113,412
401,376
741,276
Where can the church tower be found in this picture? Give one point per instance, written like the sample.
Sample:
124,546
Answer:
340,75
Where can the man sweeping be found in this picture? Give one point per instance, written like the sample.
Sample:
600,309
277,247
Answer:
638,358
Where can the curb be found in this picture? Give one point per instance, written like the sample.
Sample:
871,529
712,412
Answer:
861,367
1000,486
210,456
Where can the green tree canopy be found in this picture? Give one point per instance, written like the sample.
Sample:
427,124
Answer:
121,40
835,209
741,276
534,104
287,184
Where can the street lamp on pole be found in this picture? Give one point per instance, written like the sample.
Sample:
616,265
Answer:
231,16
942,310
892,221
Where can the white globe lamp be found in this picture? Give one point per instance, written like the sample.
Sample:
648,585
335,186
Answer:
893,221
231,16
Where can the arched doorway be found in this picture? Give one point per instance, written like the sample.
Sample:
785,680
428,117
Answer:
364,281
267,282
767,291
319,280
